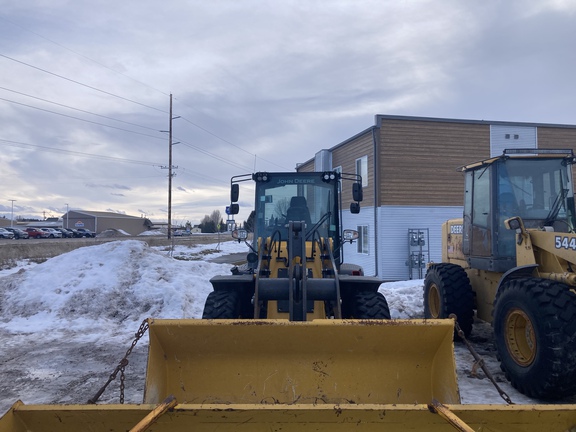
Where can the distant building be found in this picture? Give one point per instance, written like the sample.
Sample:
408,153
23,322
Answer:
100,221
411,184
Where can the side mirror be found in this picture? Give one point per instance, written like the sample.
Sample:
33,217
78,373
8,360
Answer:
234,193
354,208
357,193
513,223
349,235
240,234
234,209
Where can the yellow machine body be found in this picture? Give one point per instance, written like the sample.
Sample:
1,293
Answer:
553,255
278,262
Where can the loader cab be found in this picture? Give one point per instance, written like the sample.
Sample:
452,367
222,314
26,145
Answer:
533,184
311,197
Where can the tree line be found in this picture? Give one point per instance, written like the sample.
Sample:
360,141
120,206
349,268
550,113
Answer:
214,223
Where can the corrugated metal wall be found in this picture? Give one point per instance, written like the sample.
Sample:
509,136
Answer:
510,137
393,236
351,255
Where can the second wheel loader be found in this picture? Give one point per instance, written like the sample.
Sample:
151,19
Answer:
512,259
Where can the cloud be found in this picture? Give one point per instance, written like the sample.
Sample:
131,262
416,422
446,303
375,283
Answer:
257,86
107,186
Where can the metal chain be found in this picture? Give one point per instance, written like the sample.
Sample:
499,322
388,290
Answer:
479,361
122,366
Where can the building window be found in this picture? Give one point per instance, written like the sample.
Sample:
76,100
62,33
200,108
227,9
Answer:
362,169
363,244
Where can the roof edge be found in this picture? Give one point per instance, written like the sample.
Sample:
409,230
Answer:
380,117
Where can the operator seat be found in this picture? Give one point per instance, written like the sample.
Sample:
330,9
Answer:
298,211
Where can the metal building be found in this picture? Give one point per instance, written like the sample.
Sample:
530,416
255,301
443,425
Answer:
100,221
409,167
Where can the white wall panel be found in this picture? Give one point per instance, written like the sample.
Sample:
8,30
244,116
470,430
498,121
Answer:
351,255
395,221
509,136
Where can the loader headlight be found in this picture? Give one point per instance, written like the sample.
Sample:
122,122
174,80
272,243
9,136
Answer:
262,177
328,176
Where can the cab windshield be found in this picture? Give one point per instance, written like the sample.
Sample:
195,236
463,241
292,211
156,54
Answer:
538,191
296,198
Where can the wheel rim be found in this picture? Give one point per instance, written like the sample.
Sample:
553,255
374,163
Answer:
520,337
434,301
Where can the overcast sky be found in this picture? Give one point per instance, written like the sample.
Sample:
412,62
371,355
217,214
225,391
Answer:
258,85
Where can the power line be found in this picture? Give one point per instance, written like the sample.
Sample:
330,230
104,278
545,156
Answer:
77,109
220,158
82,84
201,176
76,153
120,97
226,141
82,55
132,101
80,119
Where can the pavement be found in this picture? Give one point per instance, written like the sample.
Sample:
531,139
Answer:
235,258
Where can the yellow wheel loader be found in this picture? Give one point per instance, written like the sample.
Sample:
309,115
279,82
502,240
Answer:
296,340
295,270
512,258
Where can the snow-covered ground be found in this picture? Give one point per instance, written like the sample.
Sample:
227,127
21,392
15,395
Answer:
66,323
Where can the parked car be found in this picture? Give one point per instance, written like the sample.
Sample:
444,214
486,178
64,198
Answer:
5,234
65,232
36,233
18,233
86,232
52,233
76,233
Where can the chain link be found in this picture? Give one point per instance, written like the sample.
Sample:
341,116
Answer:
122,366
479,361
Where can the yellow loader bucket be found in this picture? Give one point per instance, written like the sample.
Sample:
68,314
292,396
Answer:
323,376
315,362
288,418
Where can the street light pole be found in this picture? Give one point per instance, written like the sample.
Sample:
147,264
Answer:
67,211
12,217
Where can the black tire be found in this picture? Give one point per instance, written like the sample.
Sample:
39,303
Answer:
369,305
534,324
447,291
222,305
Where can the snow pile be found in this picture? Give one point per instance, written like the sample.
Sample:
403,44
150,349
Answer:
405,299
117,281
65,323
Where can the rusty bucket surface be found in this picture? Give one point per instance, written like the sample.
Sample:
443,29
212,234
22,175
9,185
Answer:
321,361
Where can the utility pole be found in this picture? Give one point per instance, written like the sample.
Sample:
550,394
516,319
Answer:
170,167
12,217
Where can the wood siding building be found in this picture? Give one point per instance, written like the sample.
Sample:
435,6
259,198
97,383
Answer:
412,184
